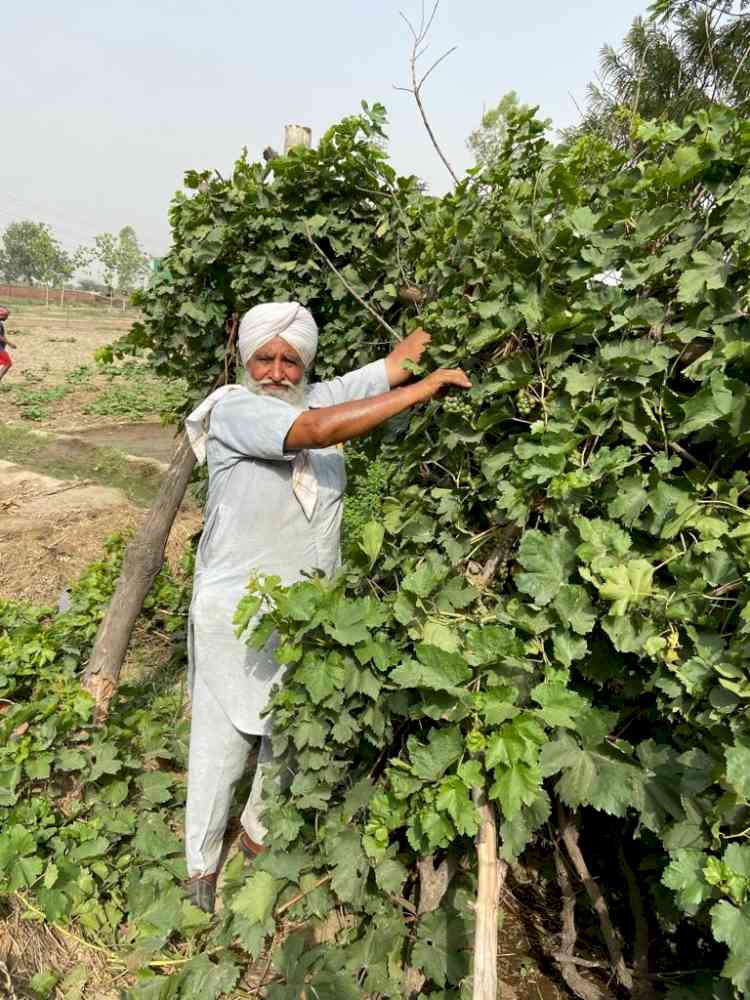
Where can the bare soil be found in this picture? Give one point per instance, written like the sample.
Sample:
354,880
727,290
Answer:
52,528
148,439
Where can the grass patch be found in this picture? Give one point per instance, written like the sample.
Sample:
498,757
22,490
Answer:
133,392
72,460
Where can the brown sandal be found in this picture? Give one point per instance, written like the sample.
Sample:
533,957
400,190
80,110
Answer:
249,848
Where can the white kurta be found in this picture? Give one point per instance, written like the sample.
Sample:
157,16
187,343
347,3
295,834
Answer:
254,523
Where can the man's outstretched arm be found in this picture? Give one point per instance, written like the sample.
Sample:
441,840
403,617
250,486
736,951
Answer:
331,425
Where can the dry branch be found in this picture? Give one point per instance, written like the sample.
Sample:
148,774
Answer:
418,49
569,831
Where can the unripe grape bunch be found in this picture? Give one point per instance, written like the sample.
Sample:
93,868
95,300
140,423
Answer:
525,402
460,406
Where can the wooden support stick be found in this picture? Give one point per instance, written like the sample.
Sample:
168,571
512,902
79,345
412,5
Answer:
488,894
143,560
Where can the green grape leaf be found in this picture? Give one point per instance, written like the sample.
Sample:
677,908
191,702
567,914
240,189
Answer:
106,761
548,561
156,786
738,770
440,950
629,584
256,899
455,798
516,786
731,926
431,760
713,402
685,875
575,609
390,876
371,540
204,979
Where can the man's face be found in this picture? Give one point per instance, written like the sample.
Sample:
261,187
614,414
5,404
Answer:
276,368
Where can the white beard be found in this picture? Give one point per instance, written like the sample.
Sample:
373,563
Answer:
295,395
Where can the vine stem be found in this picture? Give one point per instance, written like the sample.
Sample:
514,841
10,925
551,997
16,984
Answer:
376,315
565,957
569,830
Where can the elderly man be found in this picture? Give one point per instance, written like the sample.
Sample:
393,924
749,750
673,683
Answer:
275,490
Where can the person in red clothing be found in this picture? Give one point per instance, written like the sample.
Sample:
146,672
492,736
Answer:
5,358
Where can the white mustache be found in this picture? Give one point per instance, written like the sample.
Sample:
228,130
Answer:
283,382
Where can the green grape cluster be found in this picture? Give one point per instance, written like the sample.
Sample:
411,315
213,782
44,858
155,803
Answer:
525,402
364,497
460,406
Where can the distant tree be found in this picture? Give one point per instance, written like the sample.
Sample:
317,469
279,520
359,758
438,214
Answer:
132,262
105,251
123,261
26,252
53,263
486,141
689,54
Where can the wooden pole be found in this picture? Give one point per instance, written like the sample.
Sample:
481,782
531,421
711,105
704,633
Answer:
296,135
143,560
488,894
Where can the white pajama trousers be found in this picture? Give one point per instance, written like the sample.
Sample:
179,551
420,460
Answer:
217,760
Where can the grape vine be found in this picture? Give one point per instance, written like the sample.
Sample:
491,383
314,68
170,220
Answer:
545,593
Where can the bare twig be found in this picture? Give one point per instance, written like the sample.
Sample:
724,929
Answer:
418,50
585,963
740,64
376,315
643,989
573,978
569,831
301,895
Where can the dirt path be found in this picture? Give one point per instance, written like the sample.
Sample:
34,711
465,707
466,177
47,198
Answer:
52,528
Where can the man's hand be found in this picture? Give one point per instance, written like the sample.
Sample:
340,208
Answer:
411,348
442,379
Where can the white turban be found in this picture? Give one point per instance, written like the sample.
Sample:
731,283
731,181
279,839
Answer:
288,320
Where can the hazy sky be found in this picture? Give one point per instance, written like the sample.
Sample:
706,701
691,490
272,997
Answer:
104,105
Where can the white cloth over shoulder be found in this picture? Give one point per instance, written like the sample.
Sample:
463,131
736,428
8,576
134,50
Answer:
304,480
254,523
288,320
